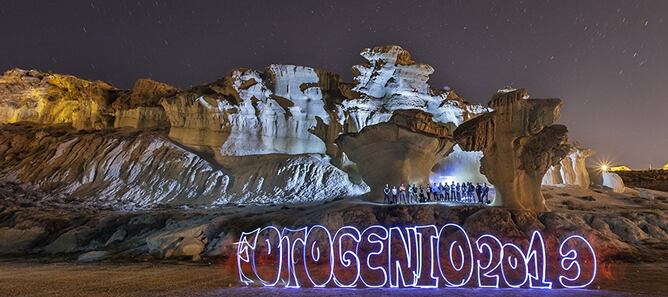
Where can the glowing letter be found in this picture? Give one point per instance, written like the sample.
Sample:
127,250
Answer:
403,262
536,256
318,254
492,248
290,239
370,270
570,262
427,240
245,249
454,243
345,251
513,267
268,250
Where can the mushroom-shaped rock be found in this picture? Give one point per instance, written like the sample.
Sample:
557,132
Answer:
519,144
402,150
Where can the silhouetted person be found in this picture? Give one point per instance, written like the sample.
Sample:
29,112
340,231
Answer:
459,192
421,195
478,193
386,191
402,193
428,190
446,192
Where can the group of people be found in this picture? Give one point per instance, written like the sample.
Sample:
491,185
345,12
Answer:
464,192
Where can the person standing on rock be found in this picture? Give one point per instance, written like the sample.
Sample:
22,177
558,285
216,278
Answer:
459,192
402,194
413,194
441,192
436,192
453,194
386,191
421,194
394,194
446,192
428,192
485,193
478,193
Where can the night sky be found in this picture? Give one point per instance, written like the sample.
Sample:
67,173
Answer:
608,60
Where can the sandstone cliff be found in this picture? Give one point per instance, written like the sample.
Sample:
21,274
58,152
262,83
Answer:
46,98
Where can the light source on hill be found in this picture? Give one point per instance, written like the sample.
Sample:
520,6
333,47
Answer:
604,166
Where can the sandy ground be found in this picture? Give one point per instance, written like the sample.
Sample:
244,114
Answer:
181,279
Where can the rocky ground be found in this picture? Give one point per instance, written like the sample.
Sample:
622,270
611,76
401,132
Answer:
628,230
200,280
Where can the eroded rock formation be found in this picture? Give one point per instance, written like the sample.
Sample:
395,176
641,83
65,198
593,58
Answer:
285,118
140,107
400,151
45,98
572,170
134,169
252,112
519,144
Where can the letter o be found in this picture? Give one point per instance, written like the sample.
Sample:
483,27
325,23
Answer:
455,273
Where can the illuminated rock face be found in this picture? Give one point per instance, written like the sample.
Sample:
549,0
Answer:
388,82
392,81
572,170
145,169
294,109
54,99
283,116
140,108
252,112
519,144
32,96
401,151
613,181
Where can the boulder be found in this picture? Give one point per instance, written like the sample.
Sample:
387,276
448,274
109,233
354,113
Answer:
613,181
118,236
519,144
15,240
72,241
92,256
187,241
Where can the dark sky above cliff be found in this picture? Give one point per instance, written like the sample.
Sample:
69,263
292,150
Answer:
608,60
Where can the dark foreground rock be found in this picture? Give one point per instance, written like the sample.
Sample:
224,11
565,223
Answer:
621,227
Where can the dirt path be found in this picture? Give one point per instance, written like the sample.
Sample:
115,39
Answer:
146,279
